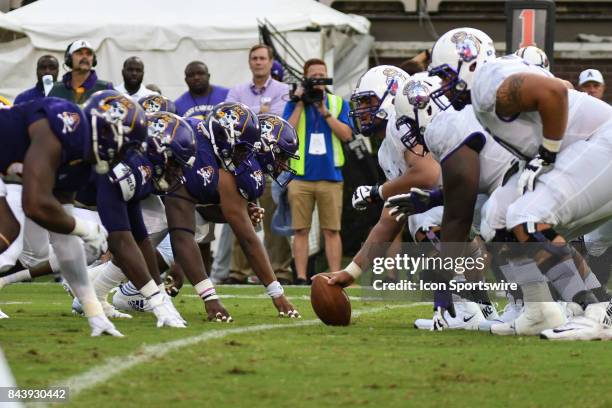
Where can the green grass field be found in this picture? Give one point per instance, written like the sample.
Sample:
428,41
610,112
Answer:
263,361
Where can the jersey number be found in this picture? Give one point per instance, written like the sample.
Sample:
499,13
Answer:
527,17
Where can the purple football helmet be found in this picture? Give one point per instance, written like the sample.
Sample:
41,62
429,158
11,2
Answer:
170,148
279,144
233,130
157,103
117,124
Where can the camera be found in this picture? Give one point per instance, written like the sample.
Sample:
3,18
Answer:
311,94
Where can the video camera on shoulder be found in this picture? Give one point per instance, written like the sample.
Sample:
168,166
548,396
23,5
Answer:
311,93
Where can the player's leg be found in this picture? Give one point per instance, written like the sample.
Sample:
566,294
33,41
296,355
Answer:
11,221
301,200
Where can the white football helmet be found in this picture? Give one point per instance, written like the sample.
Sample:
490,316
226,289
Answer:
454,58
414,109
373,97
534,56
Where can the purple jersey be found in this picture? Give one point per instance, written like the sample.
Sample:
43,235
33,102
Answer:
199,107
67,123
118,196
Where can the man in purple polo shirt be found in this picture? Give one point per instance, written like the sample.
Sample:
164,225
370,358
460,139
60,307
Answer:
263,94
201,97
81,82
46,65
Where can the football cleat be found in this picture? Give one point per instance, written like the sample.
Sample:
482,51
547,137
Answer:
536,317
578,328
511,311
468,316
128,298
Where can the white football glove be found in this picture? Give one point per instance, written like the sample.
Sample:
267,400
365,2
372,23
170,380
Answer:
366,195
93,235
534,169
439,322
166,313
101,325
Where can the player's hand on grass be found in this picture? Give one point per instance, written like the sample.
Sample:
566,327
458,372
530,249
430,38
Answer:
439,322
285,308
101,325
165,312
342,278
256,213
216,312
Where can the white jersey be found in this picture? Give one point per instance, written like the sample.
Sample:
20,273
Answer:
522,134
451,129
391,151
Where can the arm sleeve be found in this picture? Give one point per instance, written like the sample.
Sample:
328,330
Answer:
112,209
139,230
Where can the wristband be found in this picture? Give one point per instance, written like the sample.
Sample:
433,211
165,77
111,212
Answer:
354,270
375,194
91,307
551,145
206,290
149,289
274,290
436,198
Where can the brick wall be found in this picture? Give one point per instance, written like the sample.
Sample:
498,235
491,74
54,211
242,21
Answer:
567,69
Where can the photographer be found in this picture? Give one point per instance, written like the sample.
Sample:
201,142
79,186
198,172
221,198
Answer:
321,120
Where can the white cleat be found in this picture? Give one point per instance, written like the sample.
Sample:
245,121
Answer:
101,325
536,317
3,315
129,300
112,313
596,324
166,313
468,316
511,311
571,309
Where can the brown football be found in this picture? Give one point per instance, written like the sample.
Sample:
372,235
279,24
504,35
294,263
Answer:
330,303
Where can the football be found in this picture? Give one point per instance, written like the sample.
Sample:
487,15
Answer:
330,303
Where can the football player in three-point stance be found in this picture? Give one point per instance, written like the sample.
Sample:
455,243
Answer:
559,194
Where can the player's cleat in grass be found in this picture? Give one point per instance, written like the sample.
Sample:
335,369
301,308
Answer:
594,325
536,317
127,299
3,315
468,316
511,311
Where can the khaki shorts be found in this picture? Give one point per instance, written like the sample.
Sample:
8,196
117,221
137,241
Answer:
326,194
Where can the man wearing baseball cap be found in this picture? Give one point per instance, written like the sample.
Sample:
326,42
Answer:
592,82
78,84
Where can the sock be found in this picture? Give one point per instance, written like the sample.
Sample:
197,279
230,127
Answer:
15,277
108,277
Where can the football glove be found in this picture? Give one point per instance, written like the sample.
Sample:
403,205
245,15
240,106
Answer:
415,202
366,195
537,166
166,313
93,235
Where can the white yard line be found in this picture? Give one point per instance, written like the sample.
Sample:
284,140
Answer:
115,365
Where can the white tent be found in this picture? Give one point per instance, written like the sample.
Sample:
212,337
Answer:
168,35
